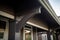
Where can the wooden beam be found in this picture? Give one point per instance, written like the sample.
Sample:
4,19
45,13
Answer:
6,15
26,17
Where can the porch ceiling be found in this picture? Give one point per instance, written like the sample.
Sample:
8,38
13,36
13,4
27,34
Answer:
47,18
20,6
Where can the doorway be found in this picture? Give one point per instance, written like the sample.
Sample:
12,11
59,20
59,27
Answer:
27,34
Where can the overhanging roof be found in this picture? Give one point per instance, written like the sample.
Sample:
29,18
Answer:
19,6
48,7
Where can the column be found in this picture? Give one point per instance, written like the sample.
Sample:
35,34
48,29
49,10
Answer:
56,36
34,34
48,34
12,24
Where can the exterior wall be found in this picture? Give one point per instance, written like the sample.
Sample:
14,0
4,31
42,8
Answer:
5,36
17,36
20,34
7,12
6,31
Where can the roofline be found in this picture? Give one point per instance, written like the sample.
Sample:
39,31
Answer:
49,9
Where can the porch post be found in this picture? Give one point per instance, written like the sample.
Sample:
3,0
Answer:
48,34
12,27
56,36
34,34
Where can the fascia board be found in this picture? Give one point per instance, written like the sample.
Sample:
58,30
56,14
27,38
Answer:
50,10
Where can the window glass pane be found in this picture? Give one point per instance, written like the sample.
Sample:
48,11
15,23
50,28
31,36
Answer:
2,28
1,35
2,24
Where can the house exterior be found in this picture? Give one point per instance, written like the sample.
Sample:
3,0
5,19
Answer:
27,20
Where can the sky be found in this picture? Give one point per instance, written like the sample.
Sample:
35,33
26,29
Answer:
56,6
